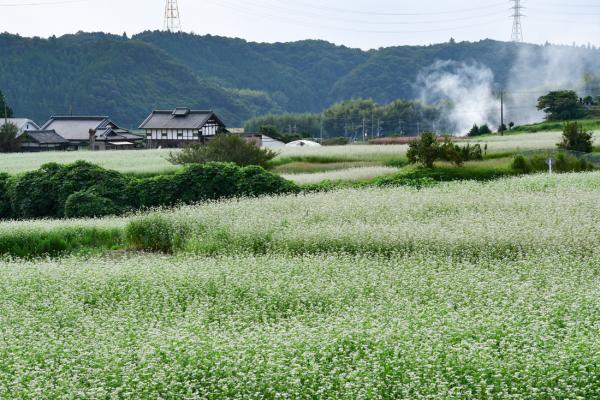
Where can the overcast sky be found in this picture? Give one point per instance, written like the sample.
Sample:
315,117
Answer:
355,23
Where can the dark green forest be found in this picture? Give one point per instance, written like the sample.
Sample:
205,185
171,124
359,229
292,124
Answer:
125,78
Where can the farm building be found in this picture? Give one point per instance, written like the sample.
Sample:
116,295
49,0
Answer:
22,124
180,126
97,133
34,141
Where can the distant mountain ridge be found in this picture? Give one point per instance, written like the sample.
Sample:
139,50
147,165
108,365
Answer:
103,74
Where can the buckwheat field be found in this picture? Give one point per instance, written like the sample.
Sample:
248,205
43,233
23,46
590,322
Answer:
458,291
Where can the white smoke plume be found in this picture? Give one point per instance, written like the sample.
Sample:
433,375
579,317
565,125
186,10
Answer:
538,70
466,90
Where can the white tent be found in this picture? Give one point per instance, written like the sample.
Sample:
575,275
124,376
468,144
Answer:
303,143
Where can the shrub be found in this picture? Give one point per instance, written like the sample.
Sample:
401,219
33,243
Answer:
43,193
520,165
5,207
35,194
224,148
85,190
424,151
255,181
474,131
155,232
537,163
576,138
88,204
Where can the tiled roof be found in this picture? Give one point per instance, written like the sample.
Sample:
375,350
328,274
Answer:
180,118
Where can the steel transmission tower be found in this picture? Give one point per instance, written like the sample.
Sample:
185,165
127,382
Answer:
517,30
172,21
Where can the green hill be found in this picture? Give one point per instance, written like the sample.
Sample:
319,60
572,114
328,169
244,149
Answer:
97,73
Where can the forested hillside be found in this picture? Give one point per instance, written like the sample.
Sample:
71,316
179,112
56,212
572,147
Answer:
96,73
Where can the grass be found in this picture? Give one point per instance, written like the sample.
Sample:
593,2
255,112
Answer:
465,290
56,237
588,124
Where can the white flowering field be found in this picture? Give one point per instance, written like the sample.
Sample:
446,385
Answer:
459,291
348,174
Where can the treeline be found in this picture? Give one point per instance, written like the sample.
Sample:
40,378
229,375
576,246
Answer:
357,118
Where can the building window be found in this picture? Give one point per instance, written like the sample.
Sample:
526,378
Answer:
180,133
163,133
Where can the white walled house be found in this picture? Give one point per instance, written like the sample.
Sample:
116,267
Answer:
175,128
22,124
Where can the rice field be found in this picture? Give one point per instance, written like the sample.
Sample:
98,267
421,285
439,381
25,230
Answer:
463,290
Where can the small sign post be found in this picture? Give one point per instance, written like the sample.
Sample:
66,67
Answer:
550,162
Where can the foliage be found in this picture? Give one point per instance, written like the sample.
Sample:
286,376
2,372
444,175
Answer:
336,141
88,190
479,130
205,72
425,150
5,110
224,148
9,142
564,162
485,130
88,204
5,207
561,105
576,138
474,130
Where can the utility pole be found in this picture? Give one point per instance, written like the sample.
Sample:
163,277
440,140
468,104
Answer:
5,110
172,21
364,132
501,112
517,30
321,128
378,127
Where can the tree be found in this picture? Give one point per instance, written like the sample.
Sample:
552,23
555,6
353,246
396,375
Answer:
502,128
224,148
4,106
425,150
474,131
9,142
484,130
575,138
561,105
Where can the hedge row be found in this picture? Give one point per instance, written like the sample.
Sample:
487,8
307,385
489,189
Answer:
87,190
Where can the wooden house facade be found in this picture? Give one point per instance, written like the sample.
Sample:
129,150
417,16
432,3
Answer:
175,128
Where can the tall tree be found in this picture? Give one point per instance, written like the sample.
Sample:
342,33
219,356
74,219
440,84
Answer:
5,110
561,106
9,142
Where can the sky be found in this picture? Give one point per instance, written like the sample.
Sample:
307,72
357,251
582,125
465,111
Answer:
366,24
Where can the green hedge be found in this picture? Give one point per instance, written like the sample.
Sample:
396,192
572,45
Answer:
86,190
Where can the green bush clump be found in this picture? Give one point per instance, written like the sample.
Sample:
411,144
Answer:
86,190
155,232
224,148
5,207
255,181
88,204
336,141
43,193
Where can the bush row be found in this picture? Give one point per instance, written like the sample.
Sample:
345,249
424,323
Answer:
562,163
87,190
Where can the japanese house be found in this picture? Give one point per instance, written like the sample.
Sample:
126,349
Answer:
175,128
